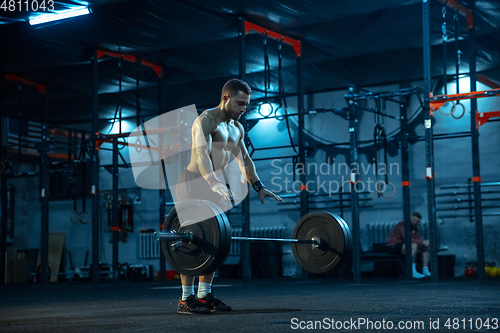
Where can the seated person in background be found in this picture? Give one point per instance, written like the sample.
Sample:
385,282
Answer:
396,244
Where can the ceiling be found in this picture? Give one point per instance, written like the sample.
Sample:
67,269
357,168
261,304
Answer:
197,43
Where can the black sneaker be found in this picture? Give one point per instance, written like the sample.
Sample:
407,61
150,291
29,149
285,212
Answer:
213,303
191,306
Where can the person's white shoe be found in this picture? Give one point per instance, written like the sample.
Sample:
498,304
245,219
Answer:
426,271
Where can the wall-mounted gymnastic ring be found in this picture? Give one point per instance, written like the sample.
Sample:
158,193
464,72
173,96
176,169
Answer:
279,116
381,188
121,145
84,217
74,216
138,147
446,114
453,108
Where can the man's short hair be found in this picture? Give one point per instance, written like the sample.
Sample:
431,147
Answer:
417,215
234,85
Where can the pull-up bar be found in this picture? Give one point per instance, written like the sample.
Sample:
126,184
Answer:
293,42
464,11
437,102
157,68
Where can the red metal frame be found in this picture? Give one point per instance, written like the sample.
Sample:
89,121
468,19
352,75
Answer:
39,86
438,101
157,68
483,117
293,42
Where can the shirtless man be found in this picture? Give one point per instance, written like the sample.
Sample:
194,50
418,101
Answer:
217,134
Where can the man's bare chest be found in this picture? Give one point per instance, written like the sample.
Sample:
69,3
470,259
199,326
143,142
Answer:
225,137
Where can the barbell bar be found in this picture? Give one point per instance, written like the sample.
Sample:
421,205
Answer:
172,235
200,248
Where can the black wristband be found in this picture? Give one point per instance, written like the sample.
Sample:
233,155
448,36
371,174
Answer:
258,185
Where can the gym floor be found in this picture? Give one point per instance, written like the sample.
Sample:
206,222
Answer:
262,305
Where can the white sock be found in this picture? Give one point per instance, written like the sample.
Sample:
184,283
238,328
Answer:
204,288
425,270
187,291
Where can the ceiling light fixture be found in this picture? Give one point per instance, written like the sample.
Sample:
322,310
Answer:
55,16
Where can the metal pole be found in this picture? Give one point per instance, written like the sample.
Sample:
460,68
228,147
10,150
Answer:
44,179
116,224
406,188
353,158
245,204
162,176
3,223
304,206
476,172
429,145
94,155
3,204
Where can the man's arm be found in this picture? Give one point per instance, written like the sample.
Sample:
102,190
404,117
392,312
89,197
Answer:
248,169
202,145
417,238
244,160
202,137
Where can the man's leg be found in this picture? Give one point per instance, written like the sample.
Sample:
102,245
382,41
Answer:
415,274
205,285
188,303
187,286
425,258
207,298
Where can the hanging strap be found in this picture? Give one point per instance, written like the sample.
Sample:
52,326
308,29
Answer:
267,79
445,47
457,54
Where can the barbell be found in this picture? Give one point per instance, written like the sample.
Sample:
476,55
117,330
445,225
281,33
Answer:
321,241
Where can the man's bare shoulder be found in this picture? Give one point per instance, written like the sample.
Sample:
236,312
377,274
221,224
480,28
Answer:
207,120
239,126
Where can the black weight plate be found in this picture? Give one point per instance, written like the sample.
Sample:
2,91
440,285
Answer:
225,243
210,246
335,247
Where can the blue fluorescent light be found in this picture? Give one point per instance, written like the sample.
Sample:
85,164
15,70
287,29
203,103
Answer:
55,16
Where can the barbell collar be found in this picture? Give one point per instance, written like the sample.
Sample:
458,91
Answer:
173,236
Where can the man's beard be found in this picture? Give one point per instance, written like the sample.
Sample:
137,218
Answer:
234,116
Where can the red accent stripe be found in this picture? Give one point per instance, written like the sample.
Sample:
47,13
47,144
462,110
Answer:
303,187
115,228
476,179
405,183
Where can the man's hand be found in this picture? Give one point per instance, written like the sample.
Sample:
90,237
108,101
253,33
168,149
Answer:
266,193
223,190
